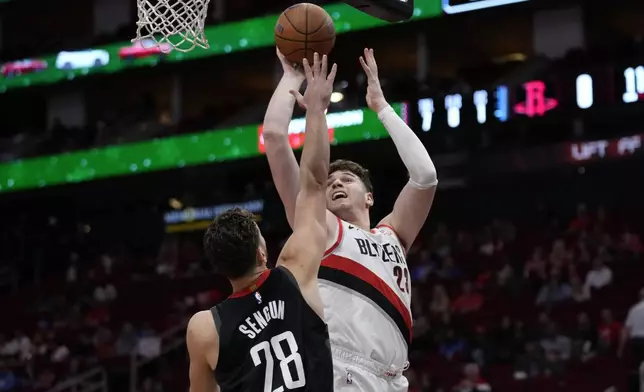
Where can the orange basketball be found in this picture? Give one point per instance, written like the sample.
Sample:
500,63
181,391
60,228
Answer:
302,30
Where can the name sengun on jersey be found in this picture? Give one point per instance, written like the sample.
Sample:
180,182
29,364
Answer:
274,310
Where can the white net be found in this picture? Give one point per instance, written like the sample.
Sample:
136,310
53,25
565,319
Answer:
172,24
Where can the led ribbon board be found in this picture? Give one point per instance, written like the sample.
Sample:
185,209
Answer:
618,85
176,152
389,10
224,39
458,6
198,218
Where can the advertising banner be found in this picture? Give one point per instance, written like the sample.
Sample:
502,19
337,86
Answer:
224,39
178,151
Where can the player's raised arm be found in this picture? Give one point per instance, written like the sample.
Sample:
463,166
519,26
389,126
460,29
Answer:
414,202
203,348
278,149
304,249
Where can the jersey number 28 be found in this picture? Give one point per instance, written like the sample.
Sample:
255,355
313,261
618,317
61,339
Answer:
275,345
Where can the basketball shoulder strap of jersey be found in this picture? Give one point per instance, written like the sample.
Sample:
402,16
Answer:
215,316
289,275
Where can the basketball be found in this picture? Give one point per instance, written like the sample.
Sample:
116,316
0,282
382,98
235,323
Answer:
302,30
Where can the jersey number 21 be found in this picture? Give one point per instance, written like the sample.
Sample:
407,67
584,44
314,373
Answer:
275,346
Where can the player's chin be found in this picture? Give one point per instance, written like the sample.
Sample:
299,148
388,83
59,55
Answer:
338,205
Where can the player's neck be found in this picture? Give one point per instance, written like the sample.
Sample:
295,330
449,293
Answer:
360,219
364,223
245,282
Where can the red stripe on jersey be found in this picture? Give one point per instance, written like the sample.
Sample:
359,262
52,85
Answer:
363,273
253,287
337,240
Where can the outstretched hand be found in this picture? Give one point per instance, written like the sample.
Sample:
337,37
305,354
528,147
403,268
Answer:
291,70
375,97
319,84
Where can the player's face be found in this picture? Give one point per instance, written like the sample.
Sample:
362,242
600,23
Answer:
345,191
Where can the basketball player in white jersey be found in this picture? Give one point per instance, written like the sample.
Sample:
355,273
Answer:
364,281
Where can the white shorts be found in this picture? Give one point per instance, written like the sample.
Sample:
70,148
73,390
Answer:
355,373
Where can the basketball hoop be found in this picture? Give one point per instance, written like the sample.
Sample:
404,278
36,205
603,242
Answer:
172,24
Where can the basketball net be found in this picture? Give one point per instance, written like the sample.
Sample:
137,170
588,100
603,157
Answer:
172,24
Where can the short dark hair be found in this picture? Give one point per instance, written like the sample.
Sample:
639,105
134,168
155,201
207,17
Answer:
352,167
231,243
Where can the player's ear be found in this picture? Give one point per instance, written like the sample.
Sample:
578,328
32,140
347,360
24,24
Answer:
369,199
262,259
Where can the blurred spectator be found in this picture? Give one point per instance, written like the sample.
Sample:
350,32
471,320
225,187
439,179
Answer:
40,347
464,242
166,267
443,325
553,291
105,293
449,270
472,380
441,241
559,255
412,378
424,267
107,263
126,340
584,337
600,276
426,382
508,280
97,315
535,267
581,221
633,333
102,341
19,346
421,332
579,292
530,363
608,331
151,385
583,251
45,379
557,350
519,337
452,346
504,341
481,348
440,300
72,270
488,247
149,344
8,379
542,327
60,354
469,300
631,243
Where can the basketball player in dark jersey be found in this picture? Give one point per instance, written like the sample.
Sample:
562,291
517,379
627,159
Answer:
269,335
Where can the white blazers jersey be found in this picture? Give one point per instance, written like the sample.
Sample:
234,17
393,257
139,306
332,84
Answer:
366,290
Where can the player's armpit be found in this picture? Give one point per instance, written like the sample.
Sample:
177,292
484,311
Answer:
302,255
332,229
410,213
303,251
203,348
